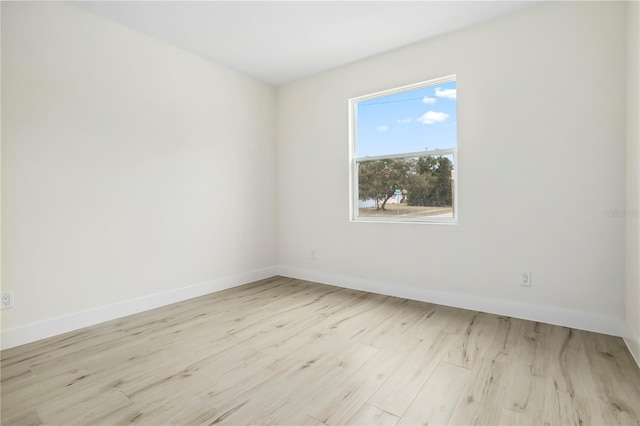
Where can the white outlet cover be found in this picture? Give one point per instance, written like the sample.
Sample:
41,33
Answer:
7,300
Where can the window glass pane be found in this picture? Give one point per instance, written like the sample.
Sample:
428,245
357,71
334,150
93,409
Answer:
415,120
419,187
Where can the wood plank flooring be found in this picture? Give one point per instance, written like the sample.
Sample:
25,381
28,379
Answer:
289,352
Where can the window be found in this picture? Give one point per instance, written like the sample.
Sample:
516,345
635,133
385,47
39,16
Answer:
403,154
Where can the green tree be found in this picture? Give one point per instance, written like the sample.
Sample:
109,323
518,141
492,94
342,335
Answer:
427,181
421,189
379,179
432,185
442,173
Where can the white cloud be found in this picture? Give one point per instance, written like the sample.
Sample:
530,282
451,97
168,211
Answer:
405,120
382,128
429,100
446,93
432,117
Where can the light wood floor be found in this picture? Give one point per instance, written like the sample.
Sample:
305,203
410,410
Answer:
285,351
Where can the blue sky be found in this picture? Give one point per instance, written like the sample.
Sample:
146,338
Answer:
410,121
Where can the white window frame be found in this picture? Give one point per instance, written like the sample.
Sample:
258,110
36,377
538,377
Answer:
354,160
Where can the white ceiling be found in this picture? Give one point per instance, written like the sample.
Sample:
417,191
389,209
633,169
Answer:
281,41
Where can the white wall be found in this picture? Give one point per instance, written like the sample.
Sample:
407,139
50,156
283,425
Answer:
133,173
632,296
541,125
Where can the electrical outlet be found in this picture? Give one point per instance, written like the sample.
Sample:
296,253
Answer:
525,279
7,300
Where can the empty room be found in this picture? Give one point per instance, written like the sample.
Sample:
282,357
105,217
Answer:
320,213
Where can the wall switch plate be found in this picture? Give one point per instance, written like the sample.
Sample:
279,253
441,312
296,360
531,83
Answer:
525,279
7,300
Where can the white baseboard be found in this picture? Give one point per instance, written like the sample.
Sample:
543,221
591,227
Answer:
52,327
540,313
574,319
633,343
